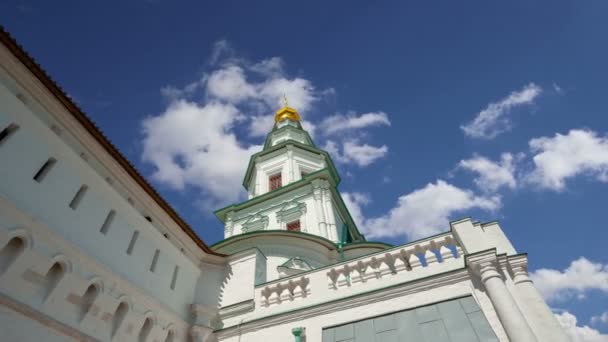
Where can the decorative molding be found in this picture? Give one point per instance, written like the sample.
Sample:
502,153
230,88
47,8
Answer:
255,222
291,211
237,309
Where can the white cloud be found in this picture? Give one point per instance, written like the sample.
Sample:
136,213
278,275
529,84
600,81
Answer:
261,125
581,276
493,120
229,84
491,175
351,151
564,156
272,67
577,333
192,144
600,319
339,122
427,211
354,201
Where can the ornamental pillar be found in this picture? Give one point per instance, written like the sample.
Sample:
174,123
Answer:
485,265
542,320
317,194
229,225
331,219
290,167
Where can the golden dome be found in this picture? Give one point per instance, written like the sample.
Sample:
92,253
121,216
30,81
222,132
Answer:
287,113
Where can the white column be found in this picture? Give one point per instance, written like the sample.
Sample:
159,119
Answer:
331,219
290,171
545,325
229,225
317,192
257,181
484,264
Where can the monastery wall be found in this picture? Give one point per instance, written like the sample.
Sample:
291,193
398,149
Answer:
78,254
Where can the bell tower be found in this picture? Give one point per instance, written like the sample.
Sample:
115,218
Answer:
293,201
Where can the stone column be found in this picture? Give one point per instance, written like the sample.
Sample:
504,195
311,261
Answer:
545,325
229,225
485,265
317,193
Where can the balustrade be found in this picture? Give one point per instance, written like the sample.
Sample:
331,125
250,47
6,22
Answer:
288,290
408,258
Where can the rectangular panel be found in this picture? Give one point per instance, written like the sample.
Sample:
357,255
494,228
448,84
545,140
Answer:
385,336
456,322
482,327
407,326
384,323
344,332
364,331
469,304
328,335
427,314
434,332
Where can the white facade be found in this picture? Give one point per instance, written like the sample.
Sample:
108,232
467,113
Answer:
88,250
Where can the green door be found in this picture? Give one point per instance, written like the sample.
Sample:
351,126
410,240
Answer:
458,320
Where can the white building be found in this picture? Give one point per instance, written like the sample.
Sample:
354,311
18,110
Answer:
90,251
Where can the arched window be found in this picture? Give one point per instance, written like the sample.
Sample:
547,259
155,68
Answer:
52,278
145,330
10,252
88,299
119,316
170,336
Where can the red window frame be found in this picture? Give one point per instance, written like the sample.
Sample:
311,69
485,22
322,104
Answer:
275,182
294,226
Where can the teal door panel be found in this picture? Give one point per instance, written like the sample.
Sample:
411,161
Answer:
458,320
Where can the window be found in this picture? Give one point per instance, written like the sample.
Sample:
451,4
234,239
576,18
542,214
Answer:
53,277
275,182
294,226
303,174
132,243
108,222
10,252
78,197
87,300
7,132
154,261
44,170
145,330
119,317
174,278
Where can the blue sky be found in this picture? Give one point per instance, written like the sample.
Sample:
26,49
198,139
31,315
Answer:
433,111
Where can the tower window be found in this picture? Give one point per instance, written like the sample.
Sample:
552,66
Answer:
275,181
294,226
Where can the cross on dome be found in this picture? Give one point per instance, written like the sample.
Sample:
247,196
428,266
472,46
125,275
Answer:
286,112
